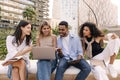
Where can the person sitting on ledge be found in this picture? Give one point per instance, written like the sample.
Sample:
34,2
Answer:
70,53
92,39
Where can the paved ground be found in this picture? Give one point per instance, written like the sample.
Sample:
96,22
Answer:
66,77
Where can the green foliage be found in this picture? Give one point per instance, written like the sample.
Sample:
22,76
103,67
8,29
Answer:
29,13
33,39
118,56
105,31
55,31
4,32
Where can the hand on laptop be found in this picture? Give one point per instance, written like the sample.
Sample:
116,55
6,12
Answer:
60,54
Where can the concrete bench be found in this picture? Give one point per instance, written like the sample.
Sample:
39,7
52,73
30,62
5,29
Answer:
70,74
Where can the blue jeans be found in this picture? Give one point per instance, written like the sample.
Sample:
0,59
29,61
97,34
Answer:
45,68
82,65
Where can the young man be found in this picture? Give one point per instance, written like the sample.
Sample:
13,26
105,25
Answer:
70,53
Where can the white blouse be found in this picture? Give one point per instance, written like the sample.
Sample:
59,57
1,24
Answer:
13,49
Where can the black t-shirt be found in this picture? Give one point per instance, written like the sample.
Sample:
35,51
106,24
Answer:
96,48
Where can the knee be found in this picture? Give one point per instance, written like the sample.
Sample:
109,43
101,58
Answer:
22,63
88,69
15,70
60,66
85,65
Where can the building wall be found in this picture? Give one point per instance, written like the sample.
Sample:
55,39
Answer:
67,10
106,12
42,10
11,10
77,12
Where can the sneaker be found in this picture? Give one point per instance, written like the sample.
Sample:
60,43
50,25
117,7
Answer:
112,71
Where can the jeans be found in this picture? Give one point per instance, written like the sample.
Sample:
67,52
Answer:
82,65
45,68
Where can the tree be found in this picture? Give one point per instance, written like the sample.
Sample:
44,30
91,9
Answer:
30,14
0,13
42,10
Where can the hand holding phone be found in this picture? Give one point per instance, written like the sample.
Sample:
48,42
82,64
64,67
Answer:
60,54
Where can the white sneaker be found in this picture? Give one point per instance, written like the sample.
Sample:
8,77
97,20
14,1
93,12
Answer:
112,71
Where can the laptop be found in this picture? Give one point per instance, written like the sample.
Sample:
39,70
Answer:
43,52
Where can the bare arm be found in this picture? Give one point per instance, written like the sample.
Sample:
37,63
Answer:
111,36
54,41
26,50
37,41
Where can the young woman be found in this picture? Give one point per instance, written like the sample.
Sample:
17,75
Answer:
45,39
92,39
19,44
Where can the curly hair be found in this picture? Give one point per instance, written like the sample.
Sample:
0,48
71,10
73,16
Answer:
95,32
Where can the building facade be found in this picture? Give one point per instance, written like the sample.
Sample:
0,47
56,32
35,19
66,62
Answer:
42,10
77,12
66,10
11,11
106,12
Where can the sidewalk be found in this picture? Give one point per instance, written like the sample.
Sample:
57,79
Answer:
70,74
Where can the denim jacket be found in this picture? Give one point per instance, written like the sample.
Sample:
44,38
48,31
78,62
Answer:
75,47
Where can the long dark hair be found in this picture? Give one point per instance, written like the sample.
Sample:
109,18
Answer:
95,32
18,33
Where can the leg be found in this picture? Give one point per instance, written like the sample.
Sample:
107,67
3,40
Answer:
43,70
15,73
21,65
99,73
22,70
53,65
111,69
112,58
110,51
62,66
109,54
114,47
85,69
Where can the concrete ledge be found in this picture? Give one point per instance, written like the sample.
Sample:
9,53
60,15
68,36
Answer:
70,73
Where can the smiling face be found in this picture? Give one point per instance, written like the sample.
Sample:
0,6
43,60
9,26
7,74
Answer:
86,32
63,31
46,30
26,30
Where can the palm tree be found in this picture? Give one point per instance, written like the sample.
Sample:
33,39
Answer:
30,14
